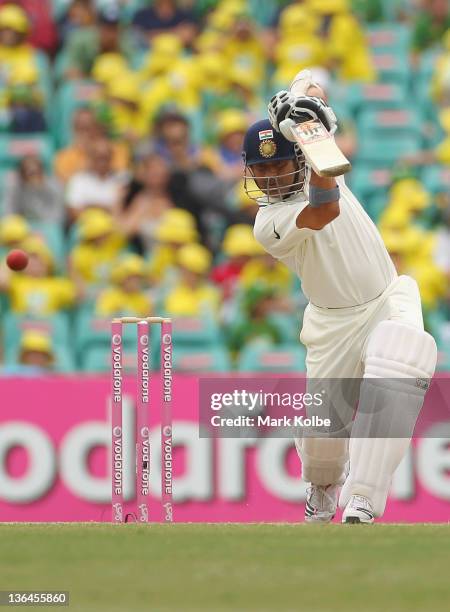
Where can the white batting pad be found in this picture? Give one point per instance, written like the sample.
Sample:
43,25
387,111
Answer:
400,360
397,349
325,457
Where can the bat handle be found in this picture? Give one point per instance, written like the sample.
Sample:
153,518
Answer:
301,83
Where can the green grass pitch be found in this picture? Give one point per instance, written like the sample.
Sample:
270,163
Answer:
231,567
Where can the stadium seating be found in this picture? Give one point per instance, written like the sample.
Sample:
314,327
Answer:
45,77
53,235
57,327
389,123
128,8
422,82
201,360
70,96
426,68
379,150
443,364
185,360
392,9
191,336
393,68
375,206
368,181
13,325
377,96
13,148
92,331
436,179
63,359
392,38
97,359
288,325
196,331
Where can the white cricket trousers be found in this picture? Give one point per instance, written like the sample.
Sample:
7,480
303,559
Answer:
336,341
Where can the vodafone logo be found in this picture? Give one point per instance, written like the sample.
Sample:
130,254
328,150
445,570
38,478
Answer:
143,513
145,432
117,431
168,512
167,430
144,340
118,512
116,339
167,339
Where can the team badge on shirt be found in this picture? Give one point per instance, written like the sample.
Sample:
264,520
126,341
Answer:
268,148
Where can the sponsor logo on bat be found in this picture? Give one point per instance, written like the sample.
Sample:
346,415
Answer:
310,132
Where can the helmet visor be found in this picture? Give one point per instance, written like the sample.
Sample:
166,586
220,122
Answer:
269,189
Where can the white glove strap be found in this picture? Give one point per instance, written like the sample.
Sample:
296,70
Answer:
285,129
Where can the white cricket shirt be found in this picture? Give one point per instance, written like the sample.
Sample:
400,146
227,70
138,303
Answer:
344,264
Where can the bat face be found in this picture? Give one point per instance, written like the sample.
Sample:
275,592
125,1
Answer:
320,149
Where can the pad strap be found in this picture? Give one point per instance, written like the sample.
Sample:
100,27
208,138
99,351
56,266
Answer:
318,196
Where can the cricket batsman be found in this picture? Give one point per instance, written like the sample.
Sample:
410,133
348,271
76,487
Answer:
363,321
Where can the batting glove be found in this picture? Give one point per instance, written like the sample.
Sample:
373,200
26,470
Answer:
285,110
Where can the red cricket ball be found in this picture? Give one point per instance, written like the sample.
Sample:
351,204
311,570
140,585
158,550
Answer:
17,260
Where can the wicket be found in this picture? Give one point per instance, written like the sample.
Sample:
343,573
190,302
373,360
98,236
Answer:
142,419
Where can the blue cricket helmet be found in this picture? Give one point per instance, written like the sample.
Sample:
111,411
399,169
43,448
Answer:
264,144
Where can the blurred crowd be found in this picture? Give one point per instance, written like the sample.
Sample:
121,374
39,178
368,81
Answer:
121,129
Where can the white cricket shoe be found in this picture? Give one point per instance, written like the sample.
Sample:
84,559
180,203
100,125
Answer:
358,510
321,503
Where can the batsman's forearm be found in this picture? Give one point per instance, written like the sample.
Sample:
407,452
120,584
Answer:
324,182
317,217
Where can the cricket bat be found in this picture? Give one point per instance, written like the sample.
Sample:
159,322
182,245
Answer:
318,145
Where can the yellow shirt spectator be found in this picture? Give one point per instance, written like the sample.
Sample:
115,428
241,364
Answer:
443,152
433,283
36,291
164,258
123,95
92,260
177,228
115,300
272,273
294,55
40,296
127,297
14,58
248,54
14,229
192,295
331,37
346,44
17,54
184,301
